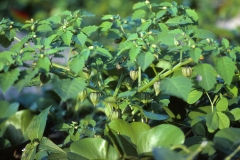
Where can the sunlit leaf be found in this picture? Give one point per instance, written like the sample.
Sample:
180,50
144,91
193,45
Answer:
67,37
44,64
194,96
88,30
145,59
222,104
138,14
8,78
191,13
217,120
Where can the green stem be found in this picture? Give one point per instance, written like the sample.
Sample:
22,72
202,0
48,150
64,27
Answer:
229,157
118,85
163,75
153,68
197,151
210,101
139,77
184,148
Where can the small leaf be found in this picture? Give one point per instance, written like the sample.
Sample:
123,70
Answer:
191,13
126,94
107,17
103,52
195,54
160,14
225,67
82,38
36,127
44,28
133,53
88,30
44,64
178,86
236,113
145,59
69,88
202,34
106,26
179,20
225,43
194,96
49,146
10,34
67,37
138,14
139,5
222,104
7,79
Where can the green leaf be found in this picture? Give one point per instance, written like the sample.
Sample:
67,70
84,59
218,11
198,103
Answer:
8,78
217,120
145,59
202,34
225,43
82,38
191,13
44,64
236,113
103,52
194,96
69,88
222,104
107,17
5,42
106,26
126,94
15,127
94,148
49,146
195,54
138,14
199,112
206,71
7,110
179,20
36,127
88,30
178,86
139,5
133,53
29,152
162,153
10,34
160,14
67,37
164,64
225,67
155,116
164,135
78,62
44,28
227,140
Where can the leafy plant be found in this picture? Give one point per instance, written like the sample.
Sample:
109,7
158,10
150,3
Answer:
152,85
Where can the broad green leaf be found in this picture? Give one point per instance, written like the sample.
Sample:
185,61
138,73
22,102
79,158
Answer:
49,146
195,54
164,64
44,64
202,34
233,90
15,127
173,10
162,153
199,112
225,67
107,17
29,152
139,5
217,120
103,52
138,14
179,20
236,113
227,140
206,71
133,53
194,96
132,130
7,79
10,34
5,42
37,126
145,59
165,4
69,88
67,37
88,30
169,112
82,38
155,116
191,13
199,129
44,28
144,26
78,62
222,104
126,94
59,156
178,86
5,59
74,156
55,19
164,135
7,110
94,148
106,26
225,43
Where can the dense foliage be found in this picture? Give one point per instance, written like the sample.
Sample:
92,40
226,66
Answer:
151,86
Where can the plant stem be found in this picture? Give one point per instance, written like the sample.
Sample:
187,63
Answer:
162,75
229,157
210,101
184,148
154,70
139,76
118,85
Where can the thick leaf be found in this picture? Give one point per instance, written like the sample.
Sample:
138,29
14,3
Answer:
164,135
227,140
145,59
208,80
8,78
67,37
162,153
194,96
217,120
178,86
36,127
49,146
94,148
222,104
14,128
88,30
69,88
225,67
6,109
44,64
131,130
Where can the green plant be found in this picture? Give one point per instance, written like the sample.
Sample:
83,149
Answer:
127,74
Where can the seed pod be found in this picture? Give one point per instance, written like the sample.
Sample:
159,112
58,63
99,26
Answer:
187,71
156,87
145,97
94,97
82,95
128,82
134,74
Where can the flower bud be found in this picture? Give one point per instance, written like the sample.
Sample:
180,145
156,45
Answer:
94,97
